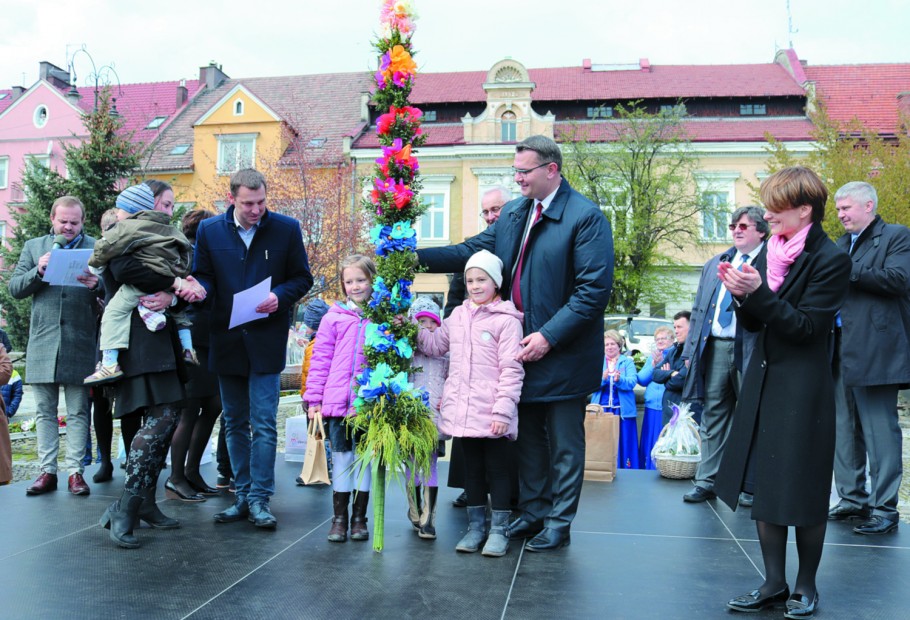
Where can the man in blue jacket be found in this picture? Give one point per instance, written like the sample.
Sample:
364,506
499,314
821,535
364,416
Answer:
234,252
557,252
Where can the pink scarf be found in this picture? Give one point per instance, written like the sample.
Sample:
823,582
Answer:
781,255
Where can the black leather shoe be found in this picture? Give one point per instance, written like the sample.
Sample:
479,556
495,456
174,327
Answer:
172,492
461,501
753,601
698,495
548,540
240,510
203,488
520,528
746,500
260,516
876,524
843,511
798,606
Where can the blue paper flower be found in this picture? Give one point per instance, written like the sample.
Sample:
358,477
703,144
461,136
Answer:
379,337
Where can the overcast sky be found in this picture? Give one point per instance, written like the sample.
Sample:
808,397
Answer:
170,39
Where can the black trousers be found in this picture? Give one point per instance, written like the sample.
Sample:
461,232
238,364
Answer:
487,463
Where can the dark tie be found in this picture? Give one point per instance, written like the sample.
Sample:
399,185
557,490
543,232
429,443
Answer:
516,279
725,317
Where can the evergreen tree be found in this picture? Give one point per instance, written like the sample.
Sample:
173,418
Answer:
95,168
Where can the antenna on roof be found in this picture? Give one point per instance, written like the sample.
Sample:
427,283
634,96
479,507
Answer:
790,29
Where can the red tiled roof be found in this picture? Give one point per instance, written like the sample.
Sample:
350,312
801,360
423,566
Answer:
6,101
438,134
866,92
713,130
139,104
662,81
316,106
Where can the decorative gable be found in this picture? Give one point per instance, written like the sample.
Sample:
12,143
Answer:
508,116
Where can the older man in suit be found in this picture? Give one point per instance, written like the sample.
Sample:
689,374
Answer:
717,348
61,344
874,362
557,252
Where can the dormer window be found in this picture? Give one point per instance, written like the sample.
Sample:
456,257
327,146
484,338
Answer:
156,122
509,126
429,116
601,111
238,108
753,109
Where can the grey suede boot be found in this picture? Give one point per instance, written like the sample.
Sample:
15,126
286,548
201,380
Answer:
427,527
476,534
498,542
413,494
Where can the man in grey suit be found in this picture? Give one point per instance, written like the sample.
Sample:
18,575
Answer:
61,344
717,348
874,362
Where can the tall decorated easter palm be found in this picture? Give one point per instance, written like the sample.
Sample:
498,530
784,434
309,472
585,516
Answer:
398,430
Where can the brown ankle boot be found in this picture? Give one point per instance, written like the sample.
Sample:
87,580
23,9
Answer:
339,531
359,529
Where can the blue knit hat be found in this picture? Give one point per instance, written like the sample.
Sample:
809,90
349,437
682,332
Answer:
313,313
136,198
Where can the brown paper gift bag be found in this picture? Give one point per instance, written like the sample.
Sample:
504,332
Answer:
601,444
315,466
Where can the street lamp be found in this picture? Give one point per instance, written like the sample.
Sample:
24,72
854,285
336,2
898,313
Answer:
101,77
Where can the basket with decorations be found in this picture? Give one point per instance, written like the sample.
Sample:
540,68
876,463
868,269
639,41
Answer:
677,451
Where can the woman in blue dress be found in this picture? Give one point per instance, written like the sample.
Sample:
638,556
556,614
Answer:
654,392
616,396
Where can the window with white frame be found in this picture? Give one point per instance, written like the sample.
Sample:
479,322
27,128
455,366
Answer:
509,126
618,210
718,201
433,225
236,152
238,107
40,116
4,172
42,160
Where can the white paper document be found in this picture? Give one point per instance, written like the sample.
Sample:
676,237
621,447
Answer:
245,303
65,265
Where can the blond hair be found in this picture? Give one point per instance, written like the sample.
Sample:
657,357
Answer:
616,337
357,261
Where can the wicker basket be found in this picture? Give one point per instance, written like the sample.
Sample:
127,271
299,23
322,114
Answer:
290,378
681,467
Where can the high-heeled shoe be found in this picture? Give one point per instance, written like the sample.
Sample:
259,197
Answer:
753,601
204,488
798,606
172,492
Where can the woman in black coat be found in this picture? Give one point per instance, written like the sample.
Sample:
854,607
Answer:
781,445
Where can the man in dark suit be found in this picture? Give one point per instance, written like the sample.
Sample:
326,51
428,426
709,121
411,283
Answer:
717,348
235,251
557,252
874,361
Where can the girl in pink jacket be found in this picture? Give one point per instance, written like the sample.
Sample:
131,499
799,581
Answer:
337,359
480,397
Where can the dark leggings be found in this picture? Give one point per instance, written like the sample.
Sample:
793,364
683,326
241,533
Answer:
810,541
487,463
148,448
192,437
103,422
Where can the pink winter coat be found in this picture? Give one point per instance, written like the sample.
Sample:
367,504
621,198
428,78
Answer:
337,359
484,382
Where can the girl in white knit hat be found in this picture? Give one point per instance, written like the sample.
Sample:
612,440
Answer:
480,396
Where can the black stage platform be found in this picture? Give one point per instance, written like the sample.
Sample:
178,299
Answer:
637,552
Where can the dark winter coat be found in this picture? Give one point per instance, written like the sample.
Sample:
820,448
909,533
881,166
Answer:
673,384
875,349
785,412
225,266
64,324
566,281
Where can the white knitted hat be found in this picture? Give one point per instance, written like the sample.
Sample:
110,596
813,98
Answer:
489,262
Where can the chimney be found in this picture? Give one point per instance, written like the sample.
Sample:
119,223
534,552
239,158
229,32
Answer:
212,75
17,92
182,94
644,64
53,74
586,64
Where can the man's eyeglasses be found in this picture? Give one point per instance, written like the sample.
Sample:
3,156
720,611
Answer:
524,171
492,211
741,226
